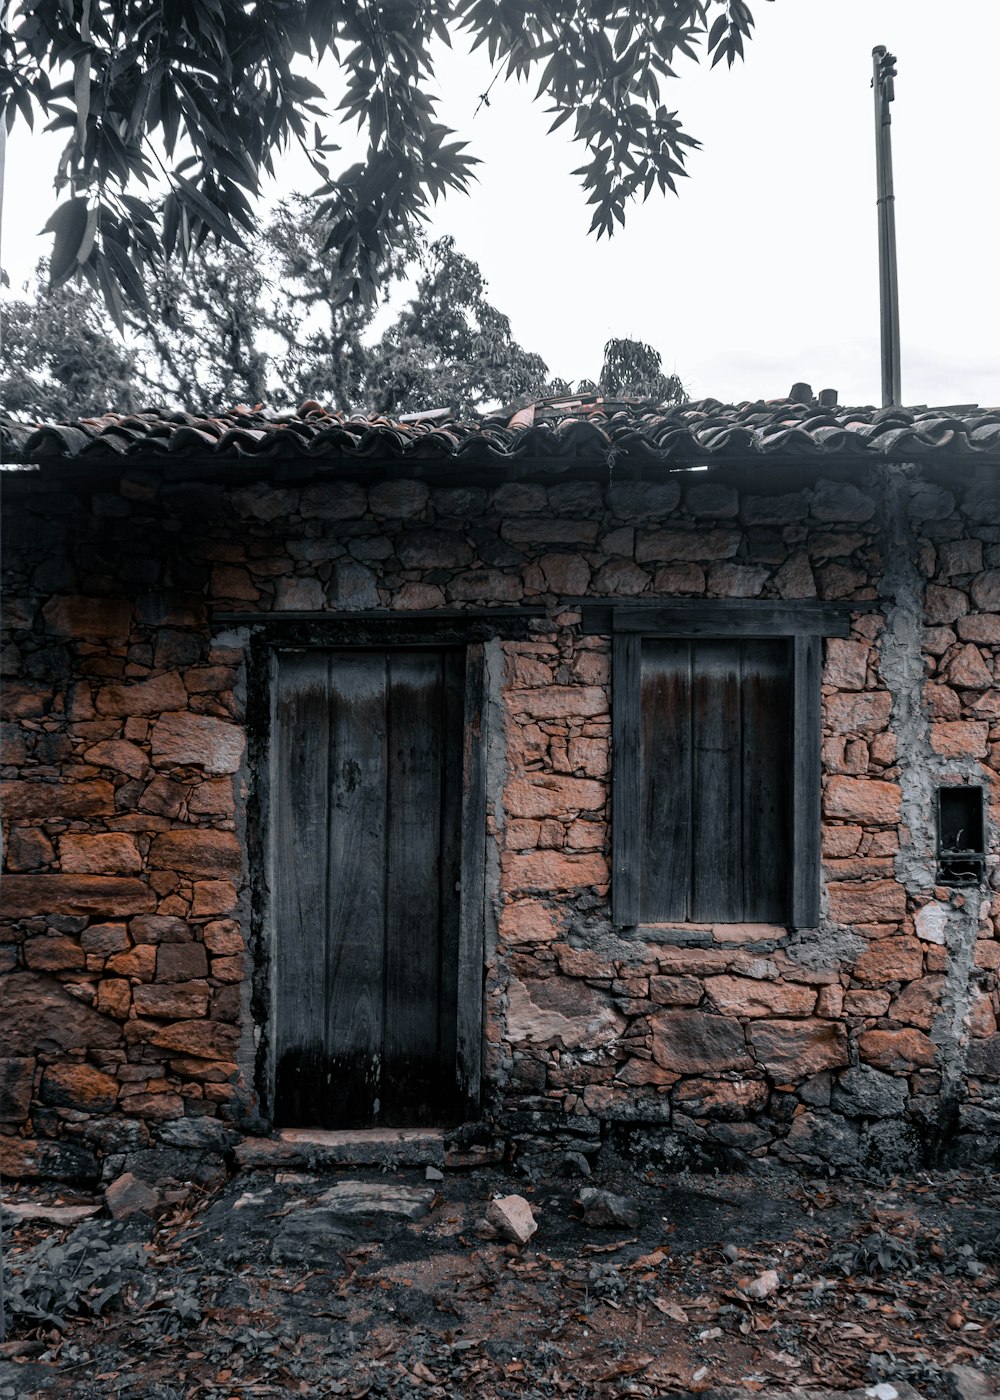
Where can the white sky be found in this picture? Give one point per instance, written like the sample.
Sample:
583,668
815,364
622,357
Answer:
764,271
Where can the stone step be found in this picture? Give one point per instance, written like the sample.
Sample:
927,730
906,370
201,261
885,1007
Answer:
370,1147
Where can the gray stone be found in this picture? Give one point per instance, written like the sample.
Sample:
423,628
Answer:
824,1137
18,1211
162,1164
865,1092
633,499
128,1195
353,586
512,1218
17,1075
840,501
38,1011
966,1383
712,500
363,1198
199,1133
604,1208
891,1145
312,1237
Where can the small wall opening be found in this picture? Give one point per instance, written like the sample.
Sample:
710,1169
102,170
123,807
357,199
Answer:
961,836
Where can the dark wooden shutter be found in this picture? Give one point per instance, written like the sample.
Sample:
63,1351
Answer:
367,790
716,780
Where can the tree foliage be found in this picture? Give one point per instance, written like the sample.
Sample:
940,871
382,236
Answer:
265,325
200,95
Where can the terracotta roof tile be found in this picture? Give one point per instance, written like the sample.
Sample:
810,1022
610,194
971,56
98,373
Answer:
587,428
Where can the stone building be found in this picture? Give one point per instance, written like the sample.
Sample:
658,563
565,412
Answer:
597,775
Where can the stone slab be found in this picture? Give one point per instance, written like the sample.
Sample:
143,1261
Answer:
373,1147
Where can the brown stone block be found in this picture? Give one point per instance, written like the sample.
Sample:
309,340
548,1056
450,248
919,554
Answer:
861,712
27,895
213,897
228,969
556,1011
891,960
583,962
114,998
558,702
944,604
968,670
681,545
867,902
548,794
680,579
223,937
941,701
858,868
212,798
529,921
120,755
28,849
870,801
961,738
840,841
160,928
198,851
17,1078
791,1050
201,741
737,580
692,1042
846,664
38,1012
151,697
171,1001
79,1086
920,1002
698,961
676,991
550,872
985,590
154,1108
92,619
745,996
222,1072
897,1050
53,953
859,1003
139,962
725,1100
205,1040
641,1072
181,962
980,627
982,1016
107,853
20,798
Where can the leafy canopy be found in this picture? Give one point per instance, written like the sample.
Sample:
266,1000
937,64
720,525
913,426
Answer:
264,324
198,96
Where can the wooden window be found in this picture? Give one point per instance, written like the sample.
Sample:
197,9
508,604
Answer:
717,763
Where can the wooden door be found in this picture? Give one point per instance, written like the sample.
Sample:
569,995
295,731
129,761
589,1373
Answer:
716,781
366,862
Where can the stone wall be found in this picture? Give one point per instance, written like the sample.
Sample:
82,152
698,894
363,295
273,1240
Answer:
129,1029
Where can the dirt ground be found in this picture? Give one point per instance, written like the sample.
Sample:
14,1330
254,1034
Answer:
273,1287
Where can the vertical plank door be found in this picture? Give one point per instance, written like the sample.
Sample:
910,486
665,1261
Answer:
367,817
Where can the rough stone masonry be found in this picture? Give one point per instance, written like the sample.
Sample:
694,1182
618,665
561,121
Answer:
131,1022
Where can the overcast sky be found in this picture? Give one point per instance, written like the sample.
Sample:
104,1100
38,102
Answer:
764,271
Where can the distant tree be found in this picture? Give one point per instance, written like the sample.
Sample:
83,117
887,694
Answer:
268,325
201,95
450,346
62,357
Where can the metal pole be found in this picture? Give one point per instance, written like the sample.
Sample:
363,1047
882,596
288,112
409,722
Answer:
883,72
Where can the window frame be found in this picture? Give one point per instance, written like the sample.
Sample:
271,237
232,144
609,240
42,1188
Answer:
802,624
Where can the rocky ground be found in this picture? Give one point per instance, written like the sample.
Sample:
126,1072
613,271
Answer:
394,1283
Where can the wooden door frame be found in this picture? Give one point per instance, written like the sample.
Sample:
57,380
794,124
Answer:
466,631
